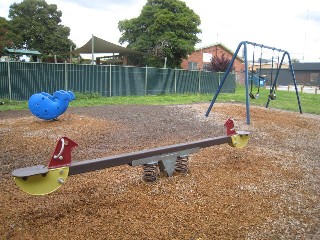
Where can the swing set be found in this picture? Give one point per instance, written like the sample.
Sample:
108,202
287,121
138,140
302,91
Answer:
256,75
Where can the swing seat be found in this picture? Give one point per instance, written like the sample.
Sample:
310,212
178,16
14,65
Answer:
254,96
272,96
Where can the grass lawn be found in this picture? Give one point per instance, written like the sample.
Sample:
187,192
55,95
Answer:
285,100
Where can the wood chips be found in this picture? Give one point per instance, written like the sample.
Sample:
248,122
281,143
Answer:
268,190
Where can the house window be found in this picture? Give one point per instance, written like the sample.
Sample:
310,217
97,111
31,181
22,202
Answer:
206,66
207,57
192,66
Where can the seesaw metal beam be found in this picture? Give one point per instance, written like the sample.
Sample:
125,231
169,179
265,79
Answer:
156,153
139,157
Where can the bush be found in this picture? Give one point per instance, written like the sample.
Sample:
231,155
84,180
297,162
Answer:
87,95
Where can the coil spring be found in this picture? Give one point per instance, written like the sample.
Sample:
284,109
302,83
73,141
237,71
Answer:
150,172
182,164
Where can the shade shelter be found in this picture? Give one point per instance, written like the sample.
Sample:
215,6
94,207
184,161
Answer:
98,45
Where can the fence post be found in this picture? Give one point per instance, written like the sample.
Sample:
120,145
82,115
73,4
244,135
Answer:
110,82
146,81
199,85
65,76
175,80
9,79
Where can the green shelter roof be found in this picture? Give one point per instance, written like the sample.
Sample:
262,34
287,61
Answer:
15,51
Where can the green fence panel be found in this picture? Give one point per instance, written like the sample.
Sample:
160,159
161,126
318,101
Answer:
208,82
4,81
21,85
52,77
20,80
30,78
187,81
24,79
88,79
127,81
229,85
160,81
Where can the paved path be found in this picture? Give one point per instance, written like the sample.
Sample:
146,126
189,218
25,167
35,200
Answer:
301,88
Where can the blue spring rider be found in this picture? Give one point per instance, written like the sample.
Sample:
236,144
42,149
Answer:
49,107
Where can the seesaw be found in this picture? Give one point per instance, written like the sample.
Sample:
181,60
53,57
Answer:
41,180
49,107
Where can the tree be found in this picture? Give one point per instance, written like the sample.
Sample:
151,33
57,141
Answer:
219,64
7,37
39,25
164,29
295,60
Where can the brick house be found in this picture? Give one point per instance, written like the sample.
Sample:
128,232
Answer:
203,56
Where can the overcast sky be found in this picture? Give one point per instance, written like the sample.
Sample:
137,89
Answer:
290,25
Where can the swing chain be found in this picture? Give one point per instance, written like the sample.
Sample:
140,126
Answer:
272,95
252,75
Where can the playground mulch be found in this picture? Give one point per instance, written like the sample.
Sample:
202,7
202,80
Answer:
267,190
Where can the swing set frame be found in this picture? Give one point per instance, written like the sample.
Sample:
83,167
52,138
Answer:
274,84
